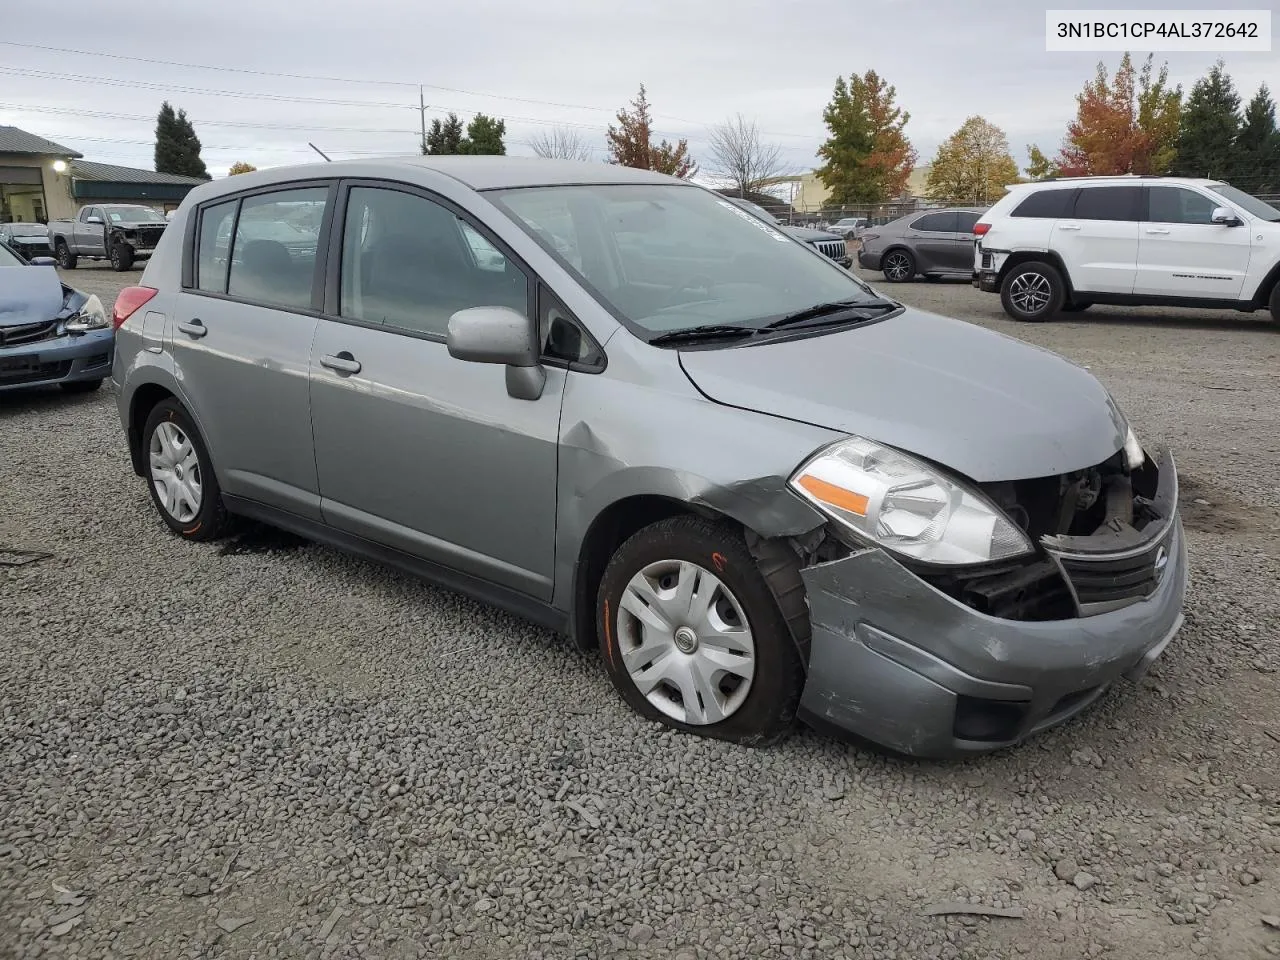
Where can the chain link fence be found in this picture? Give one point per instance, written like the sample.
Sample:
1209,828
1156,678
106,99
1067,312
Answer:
875,214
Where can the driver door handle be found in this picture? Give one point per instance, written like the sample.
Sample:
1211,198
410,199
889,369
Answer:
342,362
1068,226
1157,230
194,328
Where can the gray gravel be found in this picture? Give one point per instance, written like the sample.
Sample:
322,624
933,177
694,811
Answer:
268,749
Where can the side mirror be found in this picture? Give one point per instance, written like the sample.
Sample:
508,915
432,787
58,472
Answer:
1225,217
499,335
92,219
43,262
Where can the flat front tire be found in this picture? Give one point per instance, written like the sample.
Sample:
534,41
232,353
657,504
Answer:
1032,292
180,474
692,636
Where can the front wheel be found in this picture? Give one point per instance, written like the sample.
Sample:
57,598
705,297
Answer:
180,475
1032,292
692,635
121,257
899,266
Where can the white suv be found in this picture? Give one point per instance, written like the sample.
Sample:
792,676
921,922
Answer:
1064,245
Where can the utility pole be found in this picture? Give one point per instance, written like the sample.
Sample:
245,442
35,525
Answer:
422,116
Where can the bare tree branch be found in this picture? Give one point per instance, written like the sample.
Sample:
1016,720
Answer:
561,143
740,157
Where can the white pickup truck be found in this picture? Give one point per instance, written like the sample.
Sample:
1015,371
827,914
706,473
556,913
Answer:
119,232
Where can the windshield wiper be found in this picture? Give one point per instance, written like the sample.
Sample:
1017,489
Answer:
838,311
715,331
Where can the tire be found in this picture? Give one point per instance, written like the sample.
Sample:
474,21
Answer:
81,386
747,698
1032,292
66,259
898,266
1075,307
121,257
209,519
1275,302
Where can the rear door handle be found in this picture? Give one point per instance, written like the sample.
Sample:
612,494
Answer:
342,362
194,328
1068,226
1156,230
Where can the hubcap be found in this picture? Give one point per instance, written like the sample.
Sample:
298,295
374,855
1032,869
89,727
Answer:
685,642
175,472
897,266
1030,292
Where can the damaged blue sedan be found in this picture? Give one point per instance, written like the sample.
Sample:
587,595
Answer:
624,407
50,333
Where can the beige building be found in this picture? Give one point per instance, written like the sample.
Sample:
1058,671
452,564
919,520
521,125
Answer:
41,180
811,194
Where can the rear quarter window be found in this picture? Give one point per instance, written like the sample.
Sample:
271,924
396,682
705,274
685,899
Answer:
1046,205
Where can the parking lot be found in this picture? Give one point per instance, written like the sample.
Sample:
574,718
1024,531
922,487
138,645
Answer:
263,748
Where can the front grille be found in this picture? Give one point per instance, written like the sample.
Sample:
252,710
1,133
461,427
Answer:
835,249
12,373
1110,580
28,333
97,360
149,236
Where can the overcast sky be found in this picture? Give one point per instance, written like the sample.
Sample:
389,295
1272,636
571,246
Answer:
539,64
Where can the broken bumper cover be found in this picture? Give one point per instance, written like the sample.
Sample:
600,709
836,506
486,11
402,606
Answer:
901,664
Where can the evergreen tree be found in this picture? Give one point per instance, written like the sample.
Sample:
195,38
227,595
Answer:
1258,146
1210,123
444,138
177,146
484,137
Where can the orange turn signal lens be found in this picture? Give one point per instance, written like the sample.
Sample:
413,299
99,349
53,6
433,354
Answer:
847,500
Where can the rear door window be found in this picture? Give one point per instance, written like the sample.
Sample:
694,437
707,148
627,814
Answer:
214,242
273,252
936,223
1108,203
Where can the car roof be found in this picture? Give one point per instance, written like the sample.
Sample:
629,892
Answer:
479,173
1122,179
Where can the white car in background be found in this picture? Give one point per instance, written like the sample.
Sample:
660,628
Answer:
1064,245
851,228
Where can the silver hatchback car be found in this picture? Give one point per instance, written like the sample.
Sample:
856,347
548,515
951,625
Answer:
625,408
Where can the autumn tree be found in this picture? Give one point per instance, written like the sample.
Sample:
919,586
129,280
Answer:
741,158
561,143
1210,123
177,146
1258,145
868,156
1124,124
241,167
1039,167
630,144
973,164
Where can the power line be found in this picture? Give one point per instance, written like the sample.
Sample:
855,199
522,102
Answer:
354,80
248,147
141,118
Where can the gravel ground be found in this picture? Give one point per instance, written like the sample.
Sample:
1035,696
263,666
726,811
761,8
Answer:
264,748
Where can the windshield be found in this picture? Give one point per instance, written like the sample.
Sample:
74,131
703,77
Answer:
134,215
1244,201
666,258
27,229
9,259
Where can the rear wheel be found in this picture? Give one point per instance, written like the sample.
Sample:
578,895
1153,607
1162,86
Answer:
692,635
898,266
180,474
1032,291
81,386
66,259
1275,302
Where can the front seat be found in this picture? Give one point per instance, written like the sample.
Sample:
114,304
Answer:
266,272
417,280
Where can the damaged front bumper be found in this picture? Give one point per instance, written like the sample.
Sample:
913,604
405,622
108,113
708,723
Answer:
898,662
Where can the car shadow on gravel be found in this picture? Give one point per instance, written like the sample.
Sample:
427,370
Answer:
1218,321
260,538
36,399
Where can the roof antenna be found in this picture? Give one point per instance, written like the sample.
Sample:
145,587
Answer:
318,150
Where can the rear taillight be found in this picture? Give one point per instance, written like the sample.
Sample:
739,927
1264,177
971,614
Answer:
127,303
979,229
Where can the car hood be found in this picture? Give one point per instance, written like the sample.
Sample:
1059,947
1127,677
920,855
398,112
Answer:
809,234
29,295
985,405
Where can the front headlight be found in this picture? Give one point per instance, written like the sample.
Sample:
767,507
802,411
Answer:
891,499
92,316
1134,455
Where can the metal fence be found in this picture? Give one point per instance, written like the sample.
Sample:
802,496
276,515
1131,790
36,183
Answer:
874,213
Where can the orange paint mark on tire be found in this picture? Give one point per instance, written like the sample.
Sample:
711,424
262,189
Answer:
608,634
194,529
719,562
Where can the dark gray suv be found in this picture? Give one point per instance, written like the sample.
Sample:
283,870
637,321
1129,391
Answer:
935,243
623,407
